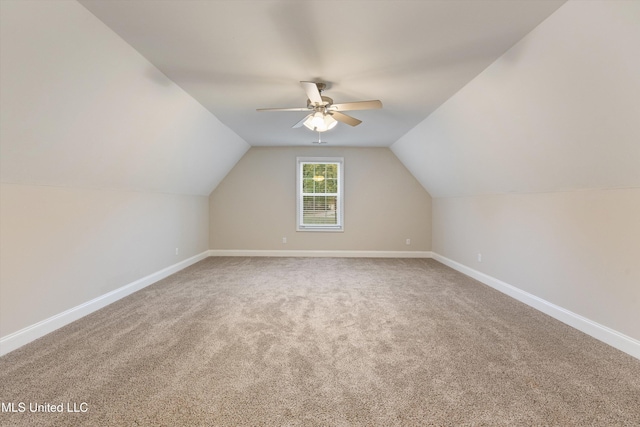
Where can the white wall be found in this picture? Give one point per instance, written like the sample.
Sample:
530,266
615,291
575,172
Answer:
105,164
81,108
579,250
61,247
557,112
536,164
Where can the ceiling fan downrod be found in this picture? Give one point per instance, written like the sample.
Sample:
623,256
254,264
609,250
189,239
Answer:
319,141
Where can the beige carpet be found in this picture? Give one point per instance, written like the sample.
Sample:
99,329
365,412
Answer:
320,342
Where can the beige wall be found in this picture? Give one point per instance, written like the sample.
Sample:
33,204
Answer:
579,250
519,162
106,165
82,109
62,247
254,207
559,111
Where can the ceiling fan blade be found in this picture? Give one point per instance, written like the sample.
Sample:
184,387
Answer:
301,122
283,109
360,105
351,121
312,92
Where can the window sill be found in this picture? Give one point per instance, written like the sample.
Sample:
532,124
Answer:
322,229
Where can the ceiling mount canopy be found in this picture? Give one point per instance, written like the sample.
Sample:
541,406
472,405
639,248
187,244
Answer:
323,113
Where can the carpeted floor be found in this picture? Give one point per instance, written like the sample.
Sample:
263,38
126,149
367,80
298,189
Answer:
319,342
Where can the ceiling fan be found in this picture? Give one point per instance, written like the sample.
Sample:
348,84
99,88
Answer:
323,113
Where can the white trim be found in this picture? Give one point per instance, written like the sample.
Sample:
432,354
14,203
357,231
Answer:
600,332
320,254
603,333
26,335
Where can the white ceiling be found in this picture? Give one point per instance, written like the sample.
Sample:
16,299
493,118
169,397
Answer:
236,56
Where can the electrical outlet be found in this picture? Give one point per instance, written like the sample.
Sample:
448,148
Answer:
408,241
284,240
177,250
479,257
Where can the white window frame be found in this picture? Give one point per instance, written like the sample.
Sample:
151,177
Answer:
339,227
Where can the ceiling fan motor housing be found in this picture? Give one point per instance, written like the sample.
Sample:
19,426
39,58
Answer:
326,101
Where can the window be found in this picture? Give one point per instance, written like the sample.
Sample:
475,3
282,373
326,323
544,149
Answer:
320,201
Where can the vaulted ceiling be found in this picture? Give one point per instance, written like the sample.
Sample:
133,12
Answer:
480,97
236,56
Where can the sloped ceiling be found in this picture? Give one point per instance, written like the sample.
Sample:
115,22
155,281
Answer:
558,112
236,56
81,108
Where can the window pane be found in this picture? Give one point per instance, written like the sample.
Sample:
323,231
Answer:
331,185
307,170
319,186
331,171
319,210
319,170
307,185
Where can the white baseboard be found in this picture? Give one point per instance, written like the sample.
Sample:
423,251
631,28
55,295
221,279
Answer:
607,335
600,332
26,335
320,254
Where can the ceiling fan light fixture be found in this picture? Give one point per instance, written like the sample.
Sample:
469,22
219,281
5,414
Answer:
323,114
320,122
